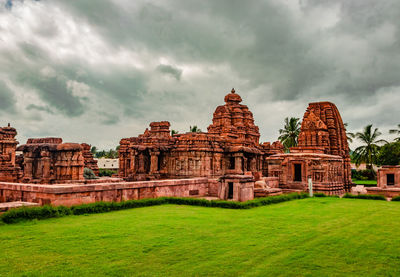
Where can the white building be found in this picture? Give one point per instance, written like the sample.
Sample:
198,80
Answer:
108,163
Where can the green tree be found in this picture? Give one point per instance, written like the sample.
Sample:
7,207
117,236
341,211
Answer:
350,135
194,129
368,152
389,154
290,132
93,150
174,132
396,132
100,154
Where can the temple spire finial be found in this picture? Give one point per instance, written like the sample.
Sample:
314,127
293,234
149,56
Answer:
233,90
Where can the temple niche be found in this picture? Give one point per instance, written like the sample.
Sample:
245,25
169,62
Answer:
322,154
231,146
8,170
48,160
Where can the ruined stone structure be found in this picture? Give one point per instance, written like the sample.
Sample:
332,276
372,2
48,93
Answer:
48,160
388,181
236,187
88,158
231,146
322,154
389,176
8,169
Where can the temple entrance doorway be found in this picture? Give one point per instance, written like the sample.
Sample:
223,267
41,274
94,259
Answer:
230,190
297,173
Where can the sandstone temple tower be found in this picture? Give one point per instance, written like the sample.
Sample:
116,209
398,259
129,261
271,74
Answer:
231,146
322,154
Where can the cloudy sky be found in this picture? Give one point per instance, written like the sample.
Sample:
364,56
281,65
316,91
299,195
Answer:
97,71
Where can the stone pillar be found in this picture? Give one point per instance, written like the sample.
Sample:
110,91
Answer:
46,167
122,169
154,162
133,162
239,163
141,163
28,161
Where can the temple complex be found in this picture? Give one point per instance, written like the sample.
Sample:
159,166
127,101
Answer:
226,162
231,147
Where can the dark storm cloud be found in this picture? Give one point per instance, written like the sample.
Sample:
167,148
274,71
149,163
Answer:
7,99
110,119
170,70
54,91
39,108
120,62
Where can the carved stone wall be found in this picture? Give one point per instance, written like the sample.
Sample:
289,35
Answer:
8,169
326,171
48,160
88,158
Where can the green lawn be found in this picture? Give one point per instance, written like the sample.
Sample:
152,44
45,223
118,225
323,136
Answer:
369,183
310,237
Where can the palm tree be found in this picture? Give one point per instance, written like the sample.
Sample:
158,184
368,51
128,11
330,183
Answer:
290,132
367,153
195,129
350,135
397,132
174,132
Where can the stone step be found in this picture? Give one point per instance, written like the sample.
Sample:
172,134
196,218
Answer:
17,204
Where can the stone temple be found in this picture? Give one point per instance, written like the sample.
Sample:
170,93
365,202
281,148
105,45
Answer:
231,146
226,162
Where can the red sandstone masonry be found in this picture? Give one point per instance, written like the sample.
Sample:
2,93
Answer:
69,195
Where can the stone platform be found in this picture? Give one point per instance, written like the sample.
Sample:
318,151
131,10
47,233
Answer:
387,192
17,204
75,194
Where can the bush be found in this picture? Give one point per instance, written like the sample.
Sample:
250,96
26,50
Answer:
365,196
24,213
367,174
396,198
89,174
107,172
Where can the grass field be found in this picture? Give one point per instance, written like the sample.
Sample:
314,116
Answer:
310,237
371,183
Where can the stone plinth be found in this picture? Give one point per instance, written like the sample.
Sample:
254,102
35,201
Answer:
14,205
74,194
